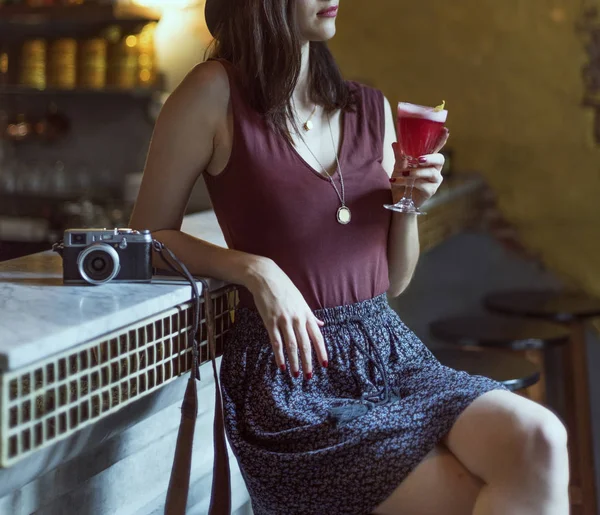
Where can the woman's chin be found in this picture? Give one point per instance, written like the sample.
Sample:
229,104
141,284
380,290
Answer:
323,33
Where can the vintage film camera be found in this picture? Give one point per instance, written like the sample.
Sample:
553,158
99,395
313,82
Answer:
97,256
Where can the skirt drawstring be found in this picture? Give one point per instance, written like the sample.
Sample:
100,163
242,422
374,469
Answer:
341,415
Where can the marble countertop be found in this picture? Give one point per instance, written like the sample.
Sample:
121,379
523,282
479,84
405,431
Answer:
40,316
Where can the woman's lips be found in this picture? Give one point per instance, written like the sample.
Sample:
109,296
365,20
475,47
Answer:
331,12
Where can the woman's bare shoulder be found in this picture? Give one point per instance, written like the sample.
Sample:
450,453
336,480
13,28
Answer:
205,89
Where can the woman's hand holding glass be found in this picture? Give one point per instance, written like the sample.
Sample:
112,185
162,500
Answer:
425,174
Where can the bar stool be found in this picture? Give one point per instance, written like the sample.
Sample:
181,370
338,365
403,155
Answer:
527,337
512,371
573,309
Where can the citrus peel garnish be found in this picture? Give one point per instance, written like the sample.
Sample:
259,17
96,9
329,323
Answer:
440,107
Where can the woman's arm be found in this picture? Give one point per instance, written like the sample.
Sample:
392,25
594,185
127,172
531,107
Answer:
403,239
181,147
185,142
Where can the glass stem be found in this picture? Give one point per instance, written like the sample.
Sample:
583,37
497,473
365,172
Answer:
408,190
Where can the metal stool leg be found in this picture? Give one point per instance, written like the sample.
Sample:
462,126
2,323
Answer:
537,392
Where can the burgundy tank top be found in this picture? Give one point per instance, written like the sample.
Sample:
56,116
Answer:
271,203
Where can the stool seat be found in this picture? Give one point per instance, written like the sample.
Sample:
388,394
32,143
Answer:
496,331
558,306
513,372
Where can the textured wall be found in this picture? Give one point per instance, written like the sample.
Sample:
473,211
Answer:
510,72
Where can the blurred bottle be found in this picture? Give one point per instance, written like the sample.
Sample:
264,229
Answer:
6,148
4,65
54,125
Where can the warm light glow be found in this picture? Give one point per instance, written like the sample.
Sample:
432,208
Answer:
4,63
168,4
131,41
558,15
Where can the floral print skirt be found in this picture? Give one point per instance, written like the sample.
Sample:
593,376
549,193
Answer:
343,441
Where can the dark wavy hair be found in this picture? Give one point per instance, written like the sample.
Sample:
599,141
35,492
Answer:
261,39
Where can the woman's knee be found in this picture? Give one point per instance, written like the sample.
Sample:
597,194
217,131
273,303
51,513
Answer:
503,436
536,445
543,438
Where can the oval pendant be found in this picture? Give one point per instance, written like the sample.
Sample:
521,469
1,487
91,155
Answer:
343,215
308,125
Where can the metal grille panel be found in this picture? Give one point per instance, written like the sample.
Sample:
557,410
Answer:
50,400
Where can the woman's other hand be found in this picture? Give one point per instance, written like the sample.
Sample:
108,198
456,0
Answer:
292,326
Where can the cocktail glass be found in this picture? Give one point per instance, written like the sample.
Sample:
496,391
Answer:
420,129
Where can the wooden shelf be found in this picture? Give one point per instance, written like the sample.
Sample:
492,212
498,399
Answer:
136,92
86,13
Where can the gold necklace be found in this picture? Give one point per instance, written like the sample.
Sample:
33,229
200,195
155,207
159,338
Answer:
308,125
343,214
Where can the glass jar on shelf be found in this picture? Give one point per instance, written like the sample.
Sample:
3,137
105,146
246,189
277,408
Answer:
33,63
93,63
123,62
62,64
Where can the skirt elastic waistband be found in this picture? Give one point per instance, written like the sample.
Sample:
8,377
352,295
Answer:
364,309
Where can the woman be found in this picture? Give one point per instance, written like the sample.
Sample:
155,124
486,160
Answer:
289,152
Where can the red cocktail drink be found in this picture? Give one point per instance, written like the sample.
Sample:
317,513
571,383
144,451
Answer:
420,130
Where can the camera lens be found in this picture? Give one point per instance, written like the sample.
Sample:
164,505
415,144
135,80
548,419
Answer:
98,263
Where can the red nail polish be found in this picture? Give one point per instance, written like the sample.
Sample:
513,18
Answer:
325,363
296,374
309,376
422,160
282,367
406,173
393,179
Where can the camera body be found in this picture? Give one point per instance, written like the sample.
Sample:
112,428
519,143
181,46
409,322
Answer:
97,256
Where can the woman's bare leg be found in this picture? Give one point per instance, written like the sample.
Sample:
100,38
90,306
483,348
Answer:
519,449
440,484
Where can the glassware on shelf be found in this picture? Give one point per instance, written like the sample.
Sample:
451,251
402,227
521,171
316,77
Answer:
8,177
59,182
20,129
